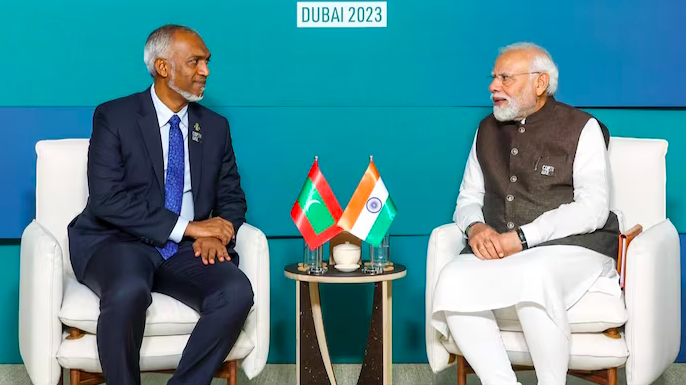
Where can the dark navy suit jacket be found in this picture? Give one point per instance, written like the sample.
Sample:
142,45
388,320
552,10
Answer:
126,178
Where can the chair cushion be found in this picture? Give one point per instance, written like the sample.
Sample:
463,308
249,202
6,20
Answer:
165,316
157,352
588,351
595,312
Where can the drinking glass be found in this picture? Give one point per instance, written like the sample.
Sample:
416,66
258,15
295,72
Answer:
379,256
312,259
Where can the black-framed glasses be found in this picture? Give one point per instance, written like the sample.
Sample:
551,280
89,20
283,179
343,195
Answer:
507,79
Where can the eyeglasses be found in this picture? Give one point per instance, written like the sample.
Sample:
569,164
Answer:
507,79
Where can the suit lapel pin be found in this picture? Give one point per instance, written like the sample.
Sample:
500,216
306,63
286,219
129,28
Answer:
547,170
196,136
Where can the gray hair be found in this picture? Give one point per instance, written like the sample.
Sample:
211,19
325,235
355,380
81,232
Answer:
158,44
542,62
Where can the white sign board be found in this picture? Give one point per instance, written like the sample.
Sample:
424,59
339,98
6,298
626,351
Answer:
341,14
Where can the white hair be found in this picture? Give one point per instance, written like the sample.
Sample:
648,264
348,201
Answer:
542,62
158,45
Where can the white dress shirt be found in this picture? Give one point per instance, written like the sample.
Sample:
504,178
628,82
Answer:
163,115
586,213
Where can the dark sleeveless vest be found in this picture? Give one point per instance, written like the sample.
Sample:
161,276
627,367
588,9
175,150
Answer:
528,170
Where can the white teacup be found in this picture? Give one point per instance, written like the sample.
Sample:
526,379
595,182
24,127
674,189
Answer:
346,254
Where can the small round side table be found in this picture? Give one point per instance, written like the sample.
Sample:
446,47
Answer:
313,363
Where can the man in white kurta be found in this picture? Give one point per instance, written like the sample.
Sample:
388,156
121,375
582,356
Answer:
534,205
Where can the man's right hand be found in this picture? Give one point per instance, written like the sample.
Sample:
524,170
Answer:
215,227
210,249
485,242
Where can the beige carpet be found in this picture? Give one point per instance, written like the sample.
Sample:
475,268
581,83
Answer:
403,374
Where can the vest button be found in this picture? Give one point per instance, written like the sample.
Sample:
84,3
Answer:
514,151
510,198
510,225
513,178
521,130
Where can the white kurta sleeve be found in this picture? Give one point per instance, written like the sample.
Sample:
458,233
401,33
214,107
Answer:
471,197
590,209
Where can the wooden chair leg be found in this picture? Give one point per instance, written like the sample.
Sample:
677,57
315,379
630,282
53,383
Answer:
461,371
232,369
75,376
228,371
612,376
234,375
603,377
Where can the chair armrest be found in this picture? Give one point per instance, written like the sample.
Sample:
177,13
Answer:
253,249
625,239
40,298
653,301
445,242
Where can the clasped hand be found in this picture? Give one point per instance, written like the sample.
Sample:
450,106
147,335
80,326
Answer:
487,243
211,237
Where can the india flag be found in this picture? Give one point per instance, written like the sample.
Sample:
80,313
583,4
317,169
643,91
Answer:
370,211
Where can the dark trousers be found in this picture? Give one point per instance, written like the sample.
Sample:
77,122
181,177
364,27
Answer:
124,274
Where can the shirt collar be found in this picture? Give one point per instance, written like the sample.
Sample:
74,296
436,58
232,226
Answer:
163,112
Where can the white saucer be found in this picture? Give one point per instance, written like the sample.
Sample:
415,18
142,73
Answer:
347,268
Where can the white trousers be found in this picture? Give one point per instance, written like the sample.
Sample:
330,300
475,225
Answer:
478,337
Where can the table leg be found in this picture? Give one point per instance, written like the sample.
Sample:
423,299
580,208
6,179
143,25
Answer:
312,353
387,332
378,360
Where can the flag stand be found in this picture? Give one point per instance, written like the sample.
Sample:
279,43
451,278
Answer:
312,260
379,257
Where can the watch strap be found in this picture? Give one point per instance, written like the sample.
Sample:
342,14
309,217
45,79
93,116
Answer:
469,227
522,238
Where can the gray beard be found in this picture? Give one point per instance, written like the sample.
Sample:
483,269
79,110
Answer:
186,95
514,108
507,113
512,111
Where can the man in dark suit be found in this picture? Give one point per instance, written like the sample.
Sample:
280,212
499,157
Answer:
164,205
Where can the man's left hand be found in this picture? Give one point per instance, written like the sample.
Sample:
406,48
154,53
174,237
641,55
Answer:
210,249
510,243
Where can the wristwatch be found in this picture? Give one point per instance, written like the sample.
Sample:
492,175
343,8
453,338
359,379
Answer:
522,238
469,227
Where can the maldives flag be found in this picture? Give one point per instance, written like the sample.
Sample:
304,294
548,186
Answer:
371,210
316,211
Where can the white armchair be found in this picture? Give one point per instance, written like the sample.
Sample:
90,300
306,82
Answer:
58,315
648,314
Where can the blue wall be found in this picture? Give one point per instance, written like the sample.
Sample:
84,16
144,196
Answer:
611,52
419,151
411,94
9,300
